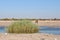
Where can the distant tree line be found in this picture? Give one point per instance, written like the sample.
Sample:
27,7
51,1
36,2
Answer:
28,19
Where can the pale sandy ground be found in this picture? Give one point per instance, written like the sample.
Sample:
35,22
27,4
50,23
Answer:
40,23
48,23
36,36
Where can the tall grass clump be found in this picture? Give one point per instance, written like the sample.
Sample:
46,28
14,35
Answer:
22,26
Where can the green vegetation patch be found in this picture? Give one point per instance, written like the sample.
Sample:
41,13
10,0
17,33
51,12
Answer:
22,26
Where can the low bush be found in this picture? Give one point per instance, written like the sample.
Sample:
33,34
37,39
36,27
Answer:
22,26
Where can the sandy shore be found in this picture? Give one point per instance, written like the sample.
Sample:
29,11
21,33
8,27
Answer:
36,36
40,23
49,23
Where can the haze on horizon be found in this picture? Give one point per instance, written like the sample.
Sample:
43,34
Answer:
29,8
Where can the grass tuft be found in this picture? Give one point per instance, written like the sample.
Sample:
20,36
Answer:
22,26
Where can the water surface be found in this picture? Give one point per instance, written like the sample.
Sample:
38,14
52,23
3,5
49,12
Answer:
42,29
49,30
2,29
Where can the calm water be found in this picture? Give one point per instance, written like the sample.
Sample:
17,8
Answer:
43,29
49,30
2,29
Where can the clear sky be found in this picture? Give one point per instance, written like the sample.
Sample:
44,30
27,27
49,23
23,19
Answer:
30,8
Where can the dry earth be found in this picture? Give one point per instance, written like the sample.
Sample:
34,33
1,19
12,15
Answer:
40,23
36,36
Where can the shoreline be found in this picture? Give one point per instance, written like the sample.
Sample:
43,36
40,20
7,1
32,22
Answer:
40,23
34,36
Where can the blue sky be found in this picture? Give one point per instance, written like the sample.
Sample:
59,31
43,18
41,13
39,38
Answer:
30,8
